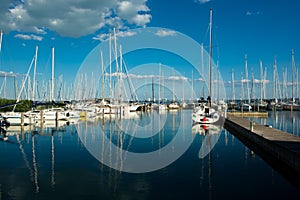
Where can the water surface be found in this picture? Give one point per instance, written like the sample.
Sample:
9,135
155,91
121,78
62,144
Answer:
67,162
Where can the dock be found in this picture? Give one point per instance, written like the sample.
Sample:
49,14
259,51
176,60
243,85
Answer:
248,114
278,148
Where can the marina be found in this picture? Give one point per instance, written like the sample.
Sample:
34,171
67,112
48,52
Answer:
148,114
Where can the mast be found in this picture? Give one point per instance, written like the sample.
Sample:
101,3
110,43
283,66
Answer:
173,86
153,98
210,56
261,80
275,80
264,83
232,84
102,66
193,84
297,85
1,34
293,74
246,73
34,74
120,77
202,66
242,82
23,85
183,89
116,60
52,77
252,86
110,68
159,85
217,84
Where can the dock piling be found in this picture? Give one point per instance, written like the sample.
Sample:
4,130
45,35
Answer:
252,123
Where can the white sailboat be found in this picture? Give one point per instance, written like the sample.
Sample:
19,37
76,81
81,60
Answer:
173,105
205,113
15,118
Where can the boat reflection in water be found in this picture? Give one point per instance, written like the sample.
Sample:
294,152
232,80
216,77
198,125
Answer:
211,135
138,144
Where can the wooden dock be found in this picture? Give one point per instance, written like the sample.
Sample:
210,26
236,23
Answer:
280,149
248,114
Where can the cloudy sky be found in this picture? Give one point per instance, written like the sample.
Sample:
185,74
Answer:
260,29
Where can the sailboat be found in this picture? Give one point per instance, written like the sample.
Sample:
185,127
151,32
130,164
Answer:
243,105
274,104
261,105
205,113
292,105
161,106
173,105
232,103
15,118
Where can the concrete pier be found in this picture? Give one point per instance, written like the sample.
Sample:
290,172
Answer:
280,148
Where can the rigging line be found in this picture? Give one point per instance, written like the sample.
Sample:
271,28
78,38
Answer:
131,87
206,34
3,85
18,99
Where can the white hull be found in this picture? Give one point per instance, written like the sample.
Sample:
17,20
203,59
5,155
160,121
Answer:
205,115
14,119
173,106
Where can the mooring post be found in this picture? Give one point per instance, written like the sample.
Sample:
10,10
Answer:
22,119
252,123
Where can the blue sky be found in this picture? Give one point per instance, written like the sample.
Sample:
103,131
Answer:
260,29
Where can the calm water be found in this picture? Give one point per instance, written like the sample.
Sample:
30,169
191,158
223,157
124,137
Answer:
174,161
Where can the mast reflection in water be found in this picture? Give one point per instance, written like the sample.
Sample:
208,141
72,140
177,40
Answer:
207,161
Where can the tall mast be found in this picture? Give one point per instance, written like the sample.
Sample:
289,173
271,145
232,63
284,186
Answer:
217,84
246,73
153,98
252,86
117,64
274,79
173,86
293,74
232,84
193,85
264,83
34,74
52,77
102,66
210,55
120,77
261,79
110,69
202,66
1,34
159,85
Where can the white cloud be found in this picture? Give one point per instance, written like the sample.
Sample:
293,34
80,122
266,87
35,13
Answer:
29,37
203,1
72,18
164,33
105,36
248,13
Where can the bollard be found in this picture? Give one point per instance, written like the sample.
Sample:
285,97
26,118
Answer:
22,119
252,125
